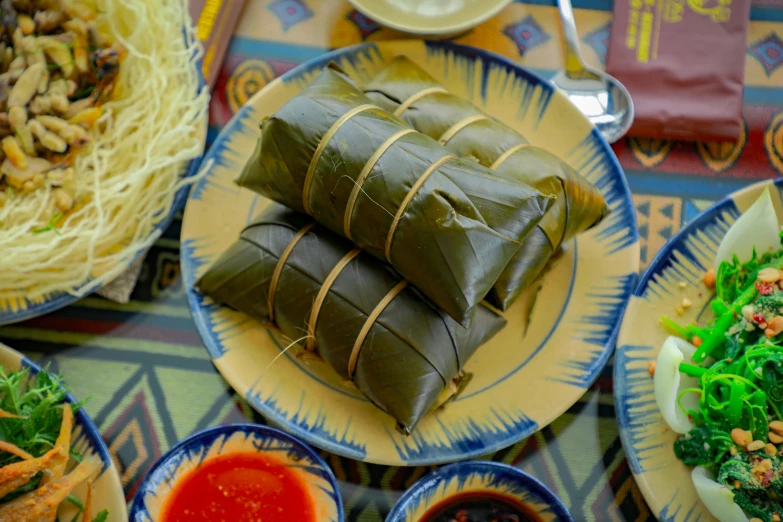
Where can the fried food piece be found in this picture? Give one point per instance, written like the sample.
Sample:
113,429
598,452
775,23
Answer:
13,449
39,504
8,415
16,475
64,442
87,515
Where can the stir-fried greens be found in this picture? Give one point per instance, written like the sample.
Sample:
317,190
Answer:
737,428
35,450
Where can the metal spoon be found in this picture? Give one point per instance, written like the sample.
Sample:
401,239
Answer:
601,97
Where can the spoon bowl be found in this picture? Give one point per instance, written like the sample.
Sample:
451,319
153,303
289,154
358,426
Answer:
598,95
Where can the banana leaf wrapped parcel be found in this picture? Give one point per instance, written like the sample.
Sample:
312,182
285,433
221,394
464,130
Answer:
447,225
405,89
365,321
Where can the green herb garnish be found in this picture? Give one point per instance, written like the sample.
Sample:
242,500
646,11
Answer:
37,401
50,225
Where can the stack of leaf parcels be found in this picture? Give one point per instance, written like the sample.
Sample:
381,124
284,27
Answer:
406,90
395,303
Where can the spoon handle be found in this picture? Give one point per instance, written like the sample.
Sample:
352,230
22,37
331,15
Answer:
573,58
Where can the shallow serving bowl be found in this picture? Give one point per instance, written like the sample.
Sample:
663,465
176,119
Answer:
238,438
478,475
525,377
107,489
430,17
17,310
664,480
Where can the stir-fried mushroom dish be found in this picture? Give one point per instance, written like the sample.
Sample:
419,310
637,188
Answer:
56,69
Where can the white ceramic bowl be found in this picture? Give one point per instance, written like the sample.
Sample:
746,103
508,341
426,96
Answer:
430,17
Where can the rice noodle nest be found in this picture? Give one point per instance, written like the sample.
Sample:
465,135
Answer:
126,179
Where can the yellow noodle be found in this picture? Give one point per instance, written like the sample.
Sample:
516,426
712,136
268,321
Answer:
129,174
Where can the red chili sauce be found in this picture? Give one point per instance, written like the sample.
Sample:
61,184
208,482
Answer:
240,487
480,506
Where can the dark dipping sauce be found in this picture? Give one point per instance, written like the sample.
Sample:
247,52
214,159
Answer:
479,506
240,487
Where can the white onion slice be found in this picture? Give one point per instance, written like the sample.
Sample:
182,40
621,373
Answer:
757,227
717,498
669,382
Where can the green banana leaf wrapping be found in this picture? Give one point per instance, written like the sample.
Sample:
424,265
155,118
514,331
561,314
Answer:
411,352
440,115
449,226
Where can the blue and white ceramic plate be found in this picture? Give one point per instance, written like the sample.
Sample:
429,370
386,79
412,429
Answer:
107,489
238,438
664,480
525,377
464,477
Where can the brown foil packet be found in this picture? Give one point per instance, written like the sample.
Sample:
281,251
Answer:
215,21
683,62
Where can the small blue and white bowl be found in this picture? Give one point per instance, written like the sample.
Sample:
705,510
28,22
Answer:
238,438
477,475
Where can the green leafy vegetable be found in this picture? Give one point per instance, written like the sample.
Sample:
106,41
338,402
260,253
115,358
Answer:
740,387
759,491
37,401
703,446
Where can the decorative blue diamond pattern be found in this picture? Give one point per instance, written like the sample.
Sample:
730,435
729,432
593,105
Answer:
290,12
366,25
768,52
526,34
599,41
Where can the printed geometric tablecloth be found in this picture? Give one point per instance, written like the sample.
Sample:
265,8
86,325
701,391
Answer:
151,383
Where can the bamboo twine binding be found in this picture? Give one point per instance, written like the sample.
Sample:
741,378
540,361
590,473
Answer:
408,197
454,129
503,157
413,98
322,146
279,268
319,299
359,183
377,311
324,290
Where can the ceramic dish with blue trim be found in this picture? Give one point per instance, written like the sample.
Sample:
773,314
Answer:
525,377
86,440
310,470
674,275
477,477
430,17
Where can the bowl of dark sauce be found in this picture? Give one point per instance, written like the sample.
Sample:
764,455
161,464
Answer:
479,491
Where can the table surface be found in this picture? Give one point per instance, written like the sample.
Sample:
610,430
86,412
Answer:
148,376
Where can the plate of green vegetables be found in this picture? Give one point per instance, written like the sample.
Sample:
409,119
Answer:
54,465
699,366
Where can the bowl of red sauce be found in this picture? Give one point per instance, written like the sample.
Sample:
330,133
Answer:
235,473
479,491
